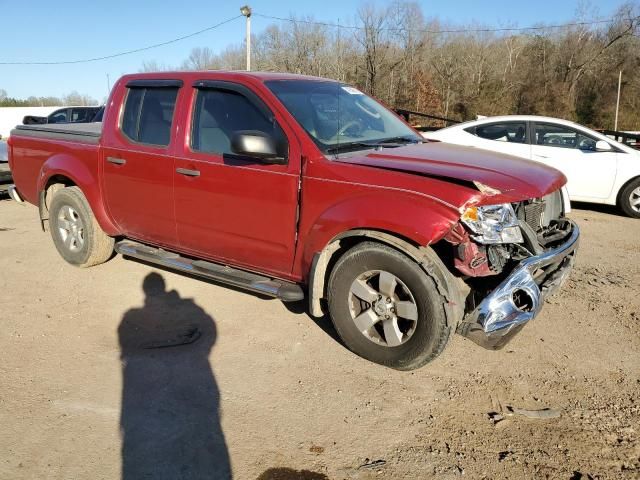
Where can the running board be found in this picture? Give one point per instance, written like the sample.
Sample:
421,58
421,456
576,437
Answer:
285,291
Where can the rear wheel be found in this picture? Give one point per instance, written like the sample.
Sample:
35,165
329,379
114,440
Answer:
629,199
75,230
386,308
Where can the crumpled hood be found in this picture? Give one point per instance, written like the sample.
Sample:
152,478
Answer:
515,178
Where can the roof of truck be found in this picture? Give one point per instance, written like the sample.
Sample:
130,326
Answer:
218,74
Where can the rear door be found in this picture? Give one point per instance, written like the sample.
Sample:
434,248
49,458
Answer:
590,173
505,137
228,207
137,162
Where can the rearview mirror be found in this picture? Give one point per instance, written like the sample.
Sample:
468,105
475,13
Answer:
602,146
256,144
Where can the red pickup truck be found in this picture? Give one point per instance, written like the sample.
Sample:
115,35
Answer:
290,186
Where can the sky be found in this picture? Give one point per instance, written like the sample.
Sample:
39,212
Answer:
46,30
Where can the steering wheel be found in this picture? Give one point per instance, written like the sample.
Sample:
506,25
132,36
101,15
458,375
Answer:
348,125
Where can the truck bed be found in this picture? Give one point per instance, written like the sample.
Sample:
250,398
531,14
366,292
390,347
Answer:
71,146
74,132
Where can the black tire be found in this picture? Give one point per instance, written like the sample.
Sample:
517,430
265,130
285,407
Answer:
625,198
95,246
431,332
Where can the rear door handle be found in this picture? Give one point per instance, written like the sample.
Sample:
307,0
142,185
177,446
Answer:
187,172
540,156
116,161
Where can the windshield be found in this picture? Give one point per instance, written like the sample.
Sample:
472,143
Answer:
339,117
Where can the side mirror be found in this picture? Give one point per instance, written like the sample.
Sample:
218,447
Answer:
602,146
256,144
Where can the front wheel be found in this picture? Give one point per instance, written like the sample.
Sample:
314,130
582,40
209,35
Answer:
629,199
75,230
386,308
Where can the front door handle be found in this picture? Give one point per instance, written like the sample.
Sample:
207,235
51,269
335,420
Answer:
187,172
540,156
116,161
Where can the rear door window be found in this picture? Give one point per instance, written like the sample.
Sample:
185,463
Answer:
148,114
511,132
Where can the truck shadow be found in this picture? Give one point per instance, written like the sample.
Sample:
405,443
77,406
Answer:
297,308
324,322
170,420
291,474
196,277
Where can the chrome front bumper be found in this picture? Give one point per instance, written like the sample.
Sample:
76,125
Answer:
519,298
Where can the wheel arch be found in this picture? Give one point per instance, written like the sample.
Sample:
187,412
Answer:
426,257
65,170
625,185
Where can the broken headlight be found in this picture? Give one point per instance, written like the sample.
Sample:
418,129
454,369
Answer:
493,224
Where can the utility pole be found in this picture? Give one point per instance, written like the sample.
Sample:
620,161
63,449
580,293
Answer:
108,85
618,101
246,11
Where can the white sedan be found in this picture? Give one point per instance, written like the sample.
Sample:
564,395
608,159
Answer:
598,169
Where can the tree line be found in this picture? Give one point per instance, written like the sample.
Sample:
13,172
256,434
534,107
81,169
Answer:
407,60
73,98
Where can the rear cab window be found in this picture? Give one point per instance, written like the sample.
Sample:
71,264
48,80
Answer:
149,111
83,114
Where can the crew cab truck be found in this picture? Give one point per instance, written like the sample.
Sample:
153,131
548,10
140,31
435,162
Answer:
294,186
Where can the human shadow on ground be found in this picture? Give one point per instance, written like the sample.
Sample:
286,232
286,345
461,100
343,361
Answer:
170,420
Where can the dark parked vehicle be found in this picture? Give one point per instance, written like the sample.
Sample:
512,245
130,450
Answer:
65,115
5,173
98,116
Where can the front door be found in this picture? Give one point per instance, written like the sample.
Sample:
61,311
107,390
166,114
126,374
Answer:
232,208
590,173
138,168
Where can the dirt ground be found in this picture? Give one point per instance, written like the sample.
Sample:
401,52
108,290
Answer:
87,390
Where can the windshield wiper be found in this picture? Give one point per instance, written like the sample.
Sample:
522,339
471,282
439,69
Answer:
385,143
398,140
346,147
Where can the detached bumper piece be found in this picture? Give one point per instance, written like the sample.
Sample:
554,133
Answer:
520,297
285,291
13,193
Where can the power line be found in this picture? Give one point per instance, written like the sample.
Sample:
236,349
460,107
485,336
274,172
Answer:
326,24
128,52
436,32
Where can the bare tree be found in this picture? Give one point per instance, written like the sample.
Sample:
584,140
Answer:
373,39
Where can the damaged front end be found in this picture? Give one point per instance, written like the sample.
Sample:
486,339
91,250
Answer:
512,256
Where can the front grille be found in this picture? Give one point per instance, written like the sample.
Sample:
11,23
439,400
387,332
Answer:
544,217
539,213
534,215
